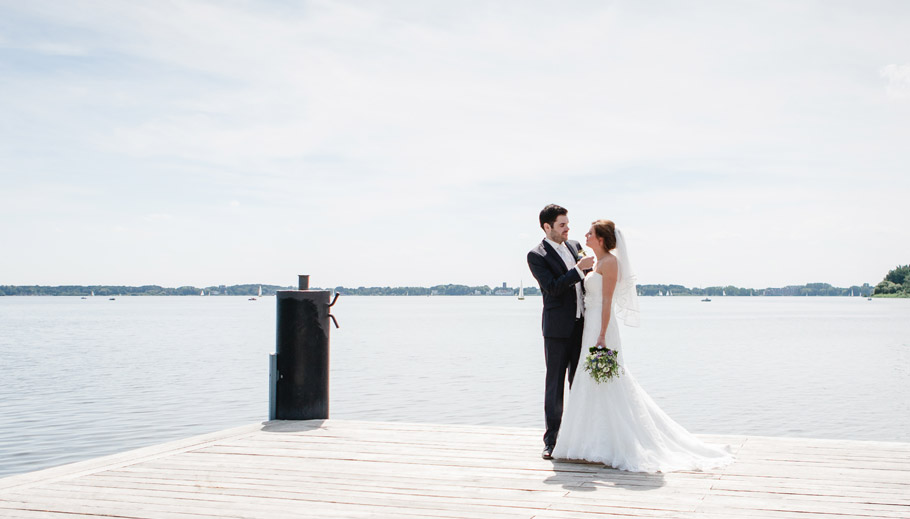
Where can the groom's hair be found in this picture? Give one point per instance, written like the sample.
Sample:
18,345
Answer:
550,213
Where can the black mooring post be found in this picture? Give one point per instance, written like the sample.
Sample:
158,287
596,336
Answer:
302,350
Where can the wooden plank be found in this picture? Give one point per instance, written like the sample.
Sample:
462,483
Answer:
124,458
167,504
488,497
353,469
9,513
557,483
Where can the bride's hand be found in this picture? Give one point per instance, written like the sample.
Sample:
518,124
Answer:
601,341
586,263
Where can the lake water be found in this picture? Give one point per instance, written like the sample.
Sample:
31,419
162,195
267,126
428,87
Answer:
85,378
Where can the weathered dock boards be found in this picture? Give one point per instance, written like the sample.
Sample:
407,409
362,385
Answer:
365,469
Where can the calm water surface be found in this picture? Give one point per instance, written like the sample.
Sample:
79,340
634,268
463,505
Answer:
84,378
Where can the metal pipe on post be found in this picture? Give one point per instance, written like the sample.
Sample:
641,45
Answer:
300,380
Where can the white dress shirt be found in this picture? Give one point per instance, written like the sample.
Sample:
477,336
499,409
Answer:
569,259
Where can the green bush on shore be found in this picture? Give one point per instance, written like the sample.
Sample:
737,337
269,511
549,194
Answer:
895,284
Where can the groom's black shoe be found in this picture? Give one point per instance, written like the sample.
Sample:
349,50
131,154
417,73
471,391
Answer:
547,453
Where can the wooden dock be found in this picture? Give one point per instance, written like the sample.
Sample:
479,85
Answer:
338,468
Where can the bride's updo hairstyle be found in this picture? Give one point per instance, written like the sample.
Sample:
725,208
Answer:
606,231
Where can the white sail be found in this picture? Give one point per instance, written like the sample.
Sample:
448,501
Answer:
521,290
202,292
260,290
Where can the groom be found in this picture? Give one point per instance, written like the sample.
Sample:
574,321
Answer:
558,268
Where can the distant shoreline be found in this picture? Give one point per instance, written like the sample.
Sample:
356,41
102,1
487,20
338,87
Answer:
528,296
255,289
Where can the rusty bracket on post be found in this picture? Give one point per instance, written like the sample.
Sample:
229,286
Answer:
333,304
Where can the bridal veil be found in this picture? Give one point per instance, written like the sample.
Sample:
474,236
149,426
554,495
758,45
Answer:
625,297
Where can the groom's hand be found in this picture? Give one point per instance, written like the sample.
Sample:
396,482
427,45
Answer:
586,263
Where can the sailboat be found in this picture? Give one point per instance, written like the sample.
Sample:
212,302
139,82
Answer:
202,293
521,291
260,294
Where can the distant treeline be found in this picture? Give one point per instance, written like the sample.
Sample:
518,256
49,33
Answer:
896,283
438,290
810,289
145,290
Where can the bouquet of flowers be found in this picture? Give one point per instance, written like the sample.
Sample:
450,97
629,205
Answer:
601,363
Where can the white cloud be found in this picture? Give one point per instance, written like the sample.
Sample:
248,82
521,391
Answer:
408,126
49,48
898,77
158,217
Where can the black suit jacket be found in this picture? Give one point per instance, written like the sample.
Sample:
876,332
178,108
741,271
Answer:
557,284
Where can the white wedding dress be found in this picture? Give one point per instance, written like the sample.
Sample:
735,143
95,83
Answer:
616,422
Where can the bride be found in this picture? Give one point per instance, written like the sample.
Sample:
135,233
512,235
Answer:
615,422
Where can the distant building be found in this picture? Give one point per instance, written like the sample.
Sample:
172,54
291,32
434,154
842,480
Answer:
504,290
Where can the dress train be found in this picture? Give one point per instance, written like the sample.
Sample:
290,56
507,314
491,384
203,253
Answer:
616,422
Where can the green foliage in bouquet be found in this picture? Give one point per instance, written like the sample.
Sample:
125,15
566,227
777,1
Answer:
601,364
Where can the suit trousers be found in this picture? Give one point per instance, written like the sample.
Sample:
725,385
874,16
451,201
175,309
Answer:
561,355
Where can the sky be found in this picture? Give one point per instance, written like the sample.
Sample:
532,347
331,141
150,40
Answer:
413,143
